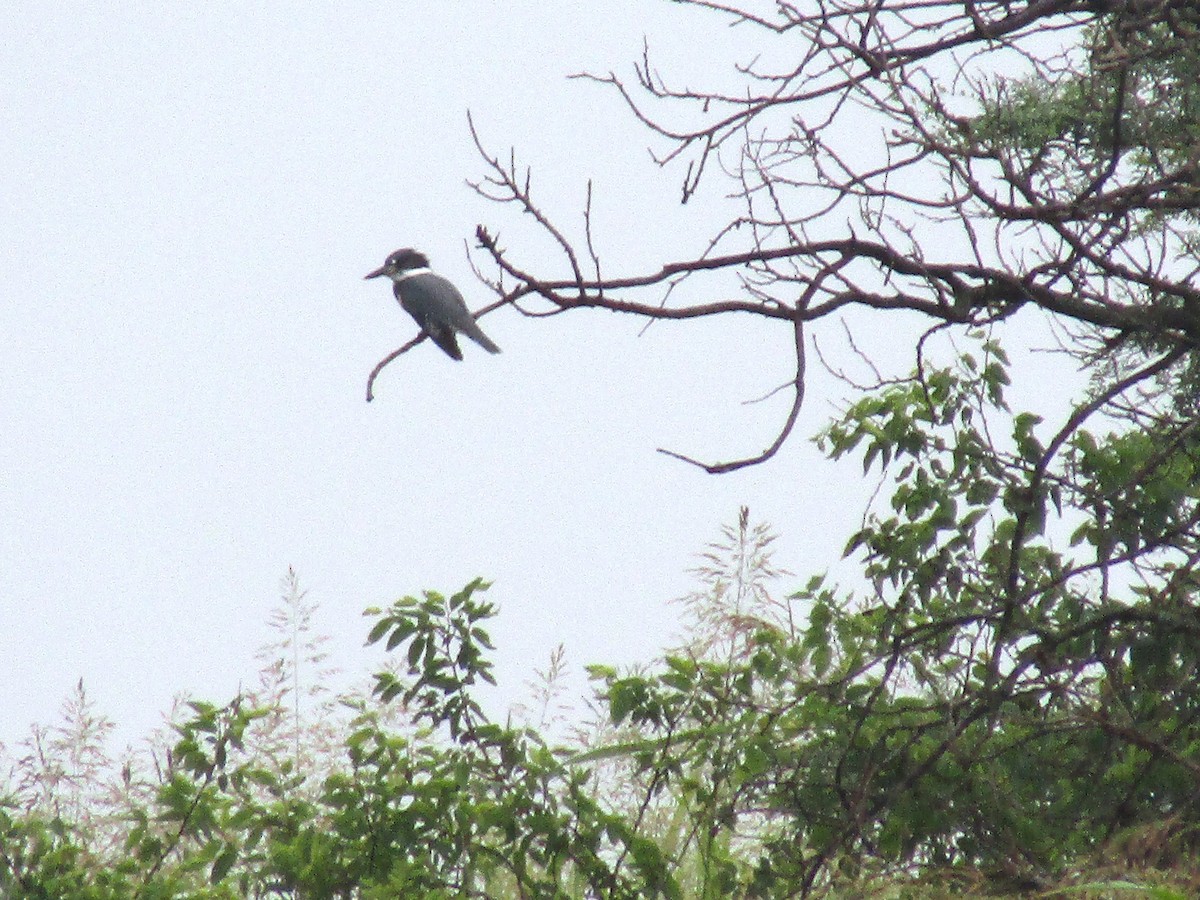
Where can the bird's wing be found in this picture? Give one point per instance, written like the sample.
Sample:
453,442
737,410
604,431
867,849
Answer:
442,335
452,305
438,297
431,312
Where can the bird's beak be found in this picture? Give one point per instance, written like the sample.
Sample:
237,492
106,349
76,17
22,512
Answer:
382,270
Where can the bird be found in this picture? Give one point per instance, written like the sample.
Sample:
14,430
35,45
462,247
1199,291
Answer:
433,301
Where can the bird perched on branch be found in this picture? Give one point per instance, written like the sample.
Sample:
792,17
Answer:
433,301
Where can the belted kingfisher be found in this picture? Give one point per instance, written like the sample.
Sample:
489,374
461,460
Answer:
433,301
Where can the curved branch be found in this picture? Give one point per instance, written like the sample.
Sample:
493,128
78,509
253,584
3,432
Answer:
784,432
397,353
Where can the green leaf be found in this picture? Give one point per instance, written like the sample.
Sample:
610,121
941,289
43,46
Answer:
378,630
401,633
223,863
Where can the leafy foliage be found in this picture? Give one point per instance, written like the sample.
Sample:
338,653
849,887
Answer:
1015,691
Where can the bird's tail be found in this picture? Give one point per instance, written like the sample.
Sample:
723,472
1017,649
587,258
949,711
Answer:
476,334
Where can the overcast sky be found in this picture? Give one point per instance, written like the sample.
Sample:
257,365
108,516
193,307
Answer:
192,196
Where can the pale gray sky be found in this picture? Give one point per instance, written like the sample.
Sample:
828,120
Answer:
192,196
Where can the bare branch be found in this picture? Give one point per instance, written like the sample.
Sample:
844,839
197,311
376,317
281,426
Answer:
957,161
